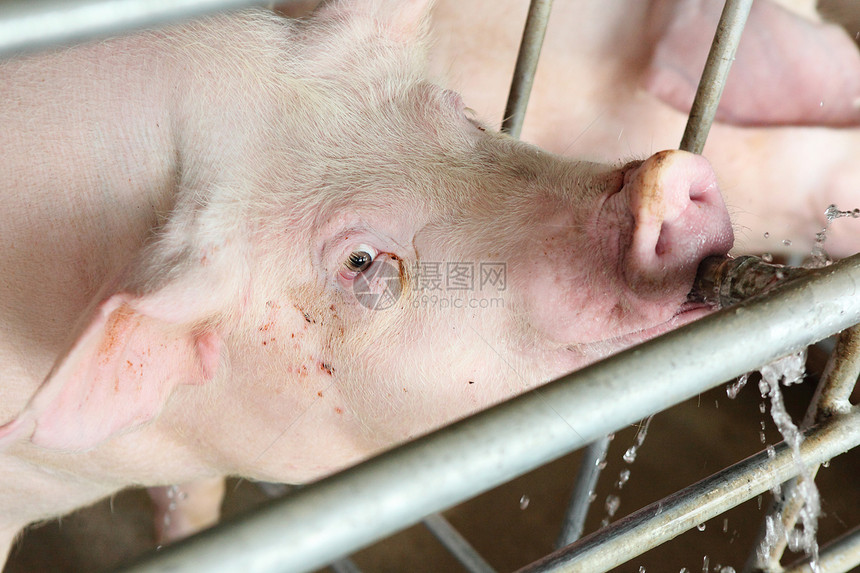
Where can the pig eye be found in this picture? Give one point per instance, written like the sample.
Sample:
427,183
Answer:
360,259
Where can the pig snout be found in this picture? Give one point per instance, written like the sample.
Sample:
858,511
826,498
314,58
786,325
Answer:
678,219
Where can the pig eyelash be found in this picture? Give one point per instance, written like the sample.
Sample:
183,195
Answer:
359,259
472,116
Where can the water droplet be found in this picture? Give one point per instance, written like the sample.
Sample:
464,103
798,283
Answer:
623,478
786,242
758,499
821,104
524,501
612,503
855,213
733,389
705,564
641,569
630,455
762,407
725,528
727,570
771,451
684,570
701,527
826,464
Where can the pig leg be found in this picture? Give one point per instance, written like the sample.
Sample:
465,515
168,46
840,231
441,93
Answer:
182,510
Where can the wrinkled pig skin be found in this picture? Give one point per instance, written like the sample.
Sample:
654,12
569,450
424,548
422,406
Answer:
188,213
607,88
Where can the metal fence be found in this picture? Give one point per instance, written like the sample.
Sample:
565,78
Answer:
323,522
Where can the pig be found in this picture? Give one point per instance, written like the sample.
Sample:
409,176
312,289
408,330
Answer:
253,246
616,78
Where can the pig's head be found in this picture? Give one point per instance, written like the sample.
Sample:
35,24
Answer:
384,265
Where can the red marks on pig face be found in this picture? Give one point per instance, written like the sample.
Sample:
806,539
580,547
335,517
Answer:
305,314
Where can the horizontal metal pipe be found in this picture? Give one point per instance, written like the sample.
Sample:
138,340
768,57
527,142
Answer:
839,556
526,66
32,24
685,509
720,58
342,513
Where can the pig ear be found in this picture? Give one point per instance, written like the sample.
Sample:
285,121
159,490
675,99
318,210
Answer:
403,20
788,70
116,376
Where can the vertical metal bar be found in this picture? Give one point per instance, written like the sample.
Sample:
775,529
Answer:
720,58
31,24
834,389
687,508
586,481
527,61
840,375
345,565
456,544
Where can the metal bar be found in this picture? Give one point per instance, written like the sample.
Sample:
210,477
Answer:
586,481
831,396
527,61
456,544
841,374
344,512
685,509
720,58
839,556
785,508
345,565
33,24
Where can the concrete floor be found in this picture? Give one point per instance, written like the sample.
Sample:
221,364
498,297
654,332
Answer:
684,444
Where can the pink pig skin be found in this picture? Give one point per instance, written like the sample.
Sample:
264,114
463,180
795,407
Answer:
184,210
615,81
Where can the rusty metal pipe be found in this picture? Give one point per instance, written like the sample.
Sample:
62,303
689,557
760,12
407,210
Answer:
724,281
